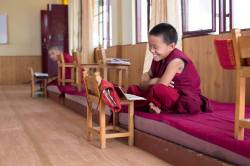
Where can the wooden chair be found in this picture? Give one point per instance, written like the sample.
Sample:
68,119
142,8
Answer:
61,79
237,50
100,58
93,96
36,80
78,70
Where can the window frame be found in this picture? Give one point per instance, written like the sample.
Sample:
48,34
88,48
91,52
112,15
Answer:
186,33
223,15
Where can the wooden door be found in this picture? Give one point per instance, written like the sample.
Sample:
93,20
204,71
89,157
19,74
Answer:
54,29
44,40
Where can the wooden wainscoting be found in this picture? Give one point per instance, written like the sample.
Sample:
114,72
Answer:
217,83
135,53
14,69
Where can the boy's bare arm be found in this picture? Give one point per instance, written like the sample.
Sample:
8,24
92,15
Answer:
147,80
175,66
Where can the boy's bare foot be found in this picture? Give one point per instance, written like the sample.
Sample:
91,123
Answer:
154,109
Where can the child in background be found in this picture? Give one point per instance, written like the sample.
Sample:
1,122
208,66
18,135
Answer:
54,53
172,83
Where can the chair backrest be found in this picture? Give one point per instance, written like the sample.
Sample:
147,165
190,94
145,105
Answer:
77,57
60,59
232,52
100,55
92,82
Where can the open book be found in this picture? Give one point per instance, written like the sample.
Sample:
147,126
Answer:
127,96
39,74
118,61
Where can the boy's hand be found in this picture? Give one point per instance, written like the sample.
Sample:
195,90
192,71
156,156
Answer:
171,84
145,77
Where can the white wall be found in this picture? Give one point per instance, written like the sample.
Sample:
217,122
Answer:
24,35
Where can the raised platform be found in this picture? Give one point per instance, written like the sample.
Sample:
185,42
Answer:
164,149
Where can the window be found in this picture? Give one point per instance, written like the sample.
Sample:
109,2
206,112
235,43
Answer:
206,16
102,23
198,16
241,14
142,20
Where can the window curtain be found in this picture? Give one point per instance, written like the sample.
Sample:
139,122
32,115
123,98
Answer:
158,15
75,25
174,18
164,11
87,30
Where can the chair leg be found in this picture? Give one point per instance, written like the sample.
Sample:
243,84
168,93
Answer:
240,107
89,123
32,89
59,73
114,114
72,76
77,79
63,76
131,124
102,122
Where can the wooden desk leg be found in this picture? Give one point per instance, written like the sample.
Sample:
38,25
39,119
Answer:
240,107
59,71
45,88
78,79
105,73
126,79
120,77
89,122
32,86
102,122
72,77
131,124
114,120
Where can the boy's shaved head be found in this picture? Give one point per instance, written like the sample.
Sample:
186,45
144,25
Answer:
166,31
54,51
55,48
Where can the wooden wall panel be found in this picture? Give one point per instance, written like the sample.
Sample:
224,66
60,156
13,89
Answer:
217,83
135,53
14,69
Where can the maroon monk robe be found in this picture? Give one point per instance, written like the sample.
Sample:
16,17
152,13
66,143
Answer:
68,59
185,97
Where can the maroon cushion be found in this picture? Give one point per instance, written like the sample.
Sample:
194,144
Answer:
225,52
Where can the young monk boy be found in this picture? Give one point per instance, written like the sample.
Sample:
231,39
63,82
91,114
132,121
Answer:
172,83
54,53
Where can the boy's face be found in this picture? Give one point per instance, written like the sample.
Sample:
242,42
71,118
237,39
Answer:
159,48
53,54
